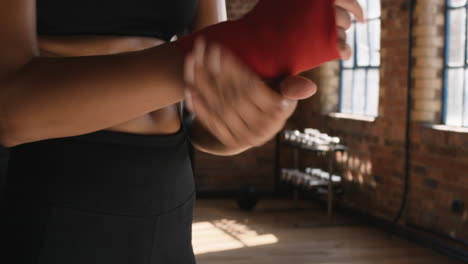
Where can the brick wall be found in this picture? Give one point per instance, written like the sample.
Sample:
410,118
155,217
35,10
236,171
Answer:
439,156
374,167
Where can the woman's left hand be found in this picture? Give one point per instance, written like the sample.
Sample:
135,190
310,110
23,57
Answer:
233,103
344,9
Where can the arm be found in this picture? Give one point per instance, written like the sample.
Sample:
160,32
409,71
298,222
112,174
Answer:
59,97
235,131
43,98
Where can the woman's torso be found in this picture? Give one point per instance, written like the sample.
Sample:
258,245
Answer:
89,27
107,196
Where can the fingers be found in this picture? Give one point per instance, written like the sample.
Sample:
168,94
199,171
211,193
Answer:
261,110
246,84
297,88
353,7
189,69
207,89
214,59
213,123
343,47
342,34
189,101
232,102
343,18
252,126
345,51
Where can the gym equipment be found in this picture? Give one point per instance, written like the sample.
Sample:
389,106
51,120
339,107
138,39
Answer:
248,197
313,179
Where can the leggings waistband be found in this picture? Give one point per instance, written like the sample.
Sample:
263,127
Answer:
115,137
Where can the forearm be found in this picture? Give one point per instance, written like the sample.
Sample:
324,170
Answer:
204,141
58,97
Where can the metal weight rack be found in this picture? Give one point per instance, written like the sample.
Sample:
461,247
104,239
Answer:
312,140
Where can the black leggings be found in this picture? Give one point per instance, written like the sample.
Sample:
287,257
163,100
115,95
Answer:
104,197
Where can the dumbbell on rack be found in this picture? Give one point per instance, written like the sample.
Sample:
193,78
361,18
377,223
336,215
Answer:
310,178
322,174
310,138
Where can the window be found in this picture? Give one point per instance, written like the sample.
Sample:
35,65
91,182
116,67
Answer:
456,65
359,92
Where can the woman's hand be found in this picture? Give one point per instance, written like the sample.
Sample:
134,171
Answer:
238,109
233,103
344,9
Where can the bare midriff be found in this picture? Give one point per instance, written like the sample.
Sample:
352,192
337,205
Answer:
160,122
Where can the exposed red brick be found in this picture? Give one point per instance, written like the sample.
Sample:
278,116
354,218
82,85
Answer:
439,159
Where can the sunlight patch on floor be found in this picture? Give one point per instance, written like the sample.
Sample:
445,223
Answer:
224,234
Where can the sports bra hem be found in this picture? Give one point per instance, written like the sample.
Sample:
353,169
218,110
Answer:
119,34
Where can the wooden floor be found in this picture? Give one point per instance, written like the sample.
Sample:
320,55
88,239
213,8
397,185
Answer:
288,233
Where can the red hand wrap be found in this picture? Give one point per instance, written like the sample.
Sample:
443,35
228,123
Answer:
278,37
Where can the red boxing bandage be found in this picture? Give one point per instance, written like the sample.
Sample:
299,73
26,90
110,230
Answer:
278,37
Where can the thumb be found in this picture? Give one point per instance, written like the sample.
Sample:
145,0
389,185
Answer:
297,88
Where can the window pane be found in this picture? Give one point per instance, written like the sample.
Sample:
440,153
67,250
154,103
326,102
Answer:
454,100
350,40
360,85
373,9
362,51
372,106
359,91
347,91
457,32
457,3
374,27
465,112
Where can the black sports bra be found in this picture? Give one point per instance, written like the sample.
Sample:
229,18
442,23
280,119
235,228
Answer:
153,18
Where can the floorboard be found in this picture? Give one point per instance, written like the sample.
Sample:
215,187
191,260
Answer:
282,231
